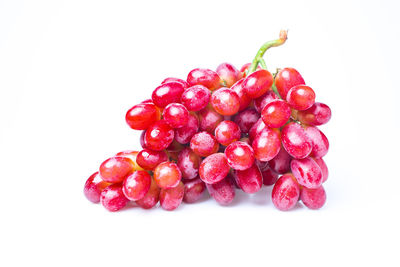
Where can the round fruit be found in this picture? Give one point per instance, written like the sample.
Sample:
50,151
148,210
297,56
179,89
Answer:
205,77
113,198
307,172
249,180
296,141
185,133
286,79
301,97
167,175
276,113
176,115
196,97
136,185
151,198
171,198
204,144
313,198
266,145
228,73
142,115
258,83
158,136
194,190
149,159
223,191
240,155
167,93
225,101
246,119
188,163
116,169
286,192
317,114
93,187
227,132
214,168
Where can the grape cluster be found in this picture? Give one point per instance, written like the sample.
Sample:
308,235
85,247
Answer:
219,131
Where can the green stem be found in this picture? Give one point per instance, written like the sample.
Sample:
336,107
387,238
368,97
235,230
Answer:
265,47
262,64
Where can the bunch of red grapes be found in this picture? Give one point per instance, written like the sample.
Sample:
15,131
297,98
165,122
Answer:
220,131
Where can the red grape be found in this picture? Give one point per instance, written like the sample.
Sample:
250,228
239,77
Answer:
176,115
142,115
174,147
142,142
171,198
167,175
149,159
113,198
313,198
225,101
159,136
209,119
307,172
167,93
316,115
205,77
295,140
320,144
228,73
93,187
116,169
258,83
286,79
170,79
196,97
281,162
324,169
286,192
188,163
262,101
204,144
276,113
223,191
132,155
269,176
240,155
214,168
249,180
185,133
301,97
151,198
256,129
194,190
246,119
245,68
227,132
136,185
267,144
244,99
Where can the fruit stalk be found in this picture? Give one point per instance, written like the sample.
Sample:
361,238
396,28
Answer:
274,43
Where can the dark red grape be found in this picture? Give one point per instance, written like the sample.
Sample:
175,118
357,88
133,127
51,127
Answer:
246,119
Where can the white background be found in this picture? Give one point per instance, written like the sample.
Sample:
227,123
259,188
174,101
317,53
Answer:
69,70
